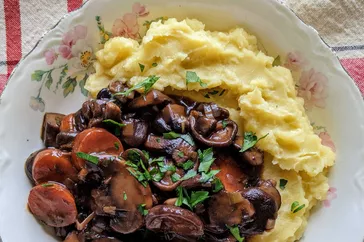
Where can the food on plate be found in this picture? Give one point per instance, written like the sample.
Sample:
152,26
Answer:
192,135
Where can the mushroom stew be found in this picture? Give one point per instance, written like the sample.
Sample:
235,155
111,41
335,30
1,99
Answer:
149,167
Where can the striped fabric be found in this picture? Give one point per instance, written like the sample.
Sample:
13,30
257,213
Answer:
339,22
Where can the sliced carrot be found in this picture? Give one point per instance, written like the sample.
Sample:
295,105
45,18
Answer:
231,175
53,204
95,140
52,165
68,123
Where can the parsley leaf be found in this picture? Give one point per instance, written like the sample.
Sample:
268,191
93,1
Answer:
154,64
180,154
282,183
175,177
142,210
222,92
188,139
156,174
191,77
205,177
224,123
47,185
90,158
277,61
141,66
166,167
113,122
187,165
146,84
179,200
189,174
125,196
116,145
218,186
198,197
295,207
206,159
234,230
214,92
250,139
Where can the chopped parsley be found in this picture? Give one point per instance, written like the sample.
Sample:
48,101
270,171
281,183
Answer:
187,165
192,200
250,139
282,183
205,177
47,185
125,196
207,95
214,92
146,84
222,92
218,186
88,157
224,123
156,174
295,207
175,177
113,122
180,154
141,66
277,61
154,64
116,145
189,174
142,210
234,230
206,159
185,137
191,77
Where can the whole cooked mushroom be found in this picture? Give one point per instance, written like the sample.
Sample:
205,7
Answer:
153,97
252,156
166,183
135,132
175,116
223,134
213,111
171,219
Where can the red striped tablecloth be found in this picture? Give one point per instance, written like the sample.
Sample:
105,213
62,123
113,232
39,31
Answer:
339,22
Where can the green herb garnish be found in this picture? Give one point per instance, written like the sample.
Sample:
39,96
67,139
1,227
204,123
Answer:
218,186
185,137
154,64
156,174
116,145
113,122
214,92
250,139
224,124
175,177
282,183
234,230
205,177
142,210
222,92
180,154
206,159
207,96
191,77
146,84
198,197
90,158
47,185
179,200
295,207
187,165
277,61
190,201
141,66
125,196
189,174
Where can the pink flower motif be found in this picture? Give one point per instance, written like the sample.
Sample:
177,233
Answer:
327,141
50,56
65,51
331,195
313,88
126,27
140,10
295,61
80,32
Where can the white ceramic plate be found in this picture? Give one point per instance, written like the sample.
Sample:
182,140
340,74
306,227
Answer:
52,76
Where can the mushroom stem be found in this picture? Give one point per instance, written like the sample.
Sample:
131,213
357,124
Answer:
83,224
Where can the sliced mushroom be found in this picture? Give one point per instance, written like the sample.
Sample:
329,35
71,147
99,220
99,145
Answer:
231,175
171,219
153,97
266,201
160,125
188,103
104,94
28,167
123,184
65,140
252,156
205,126
167,184
53,165
135,132
223,135
134,154
126,222
175,116
213,111
53,204
229,209
50,128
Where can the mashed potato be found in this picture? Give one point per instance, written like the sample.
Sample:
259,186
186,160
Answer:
261,98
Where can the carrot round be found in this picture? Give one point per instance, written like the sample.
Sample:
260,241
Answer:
52,165
95,140
53,204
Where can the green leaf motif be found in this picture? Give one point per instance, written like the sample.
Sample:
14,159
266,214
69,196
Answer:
82,86
38,75
49,81
61,77
69,86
